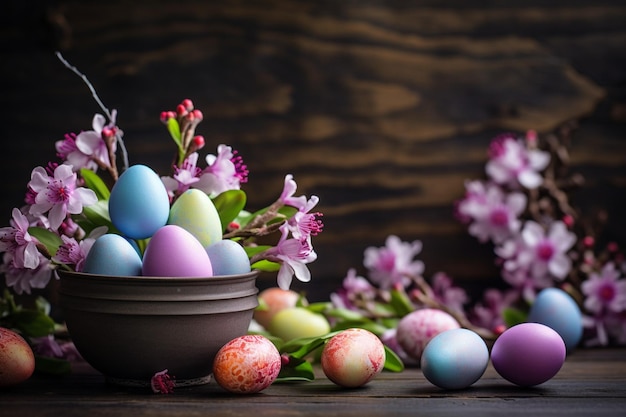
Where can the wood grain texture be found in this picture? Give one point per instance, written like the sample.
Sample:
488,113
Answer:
382,108
590,382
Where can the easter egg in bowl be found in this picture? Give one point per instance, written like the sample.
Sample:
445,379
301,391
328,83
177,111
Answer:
131,327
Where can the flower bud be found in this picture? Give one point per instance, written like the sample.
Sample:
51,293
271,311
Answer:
187,104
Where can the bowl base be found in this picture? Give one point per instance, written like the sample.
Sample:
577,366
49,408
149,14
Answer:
141,383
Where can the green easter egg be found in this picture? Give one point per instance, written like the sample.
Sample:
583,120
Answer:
195,212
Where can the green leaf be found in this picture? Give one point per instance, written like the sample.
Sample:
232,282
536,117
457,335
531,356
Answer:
174,128
393,362
301,347
95,183
229,204
52,366
363,323
513,316
31,322
303,371
401,303
266,266
98,214
49,239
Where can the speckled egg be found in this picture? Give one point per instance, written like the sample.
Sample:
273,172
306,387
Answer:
139,204
416,329
113,255
557,309
528,354
174,252
455,359
228,258
195,212
247,364
353,357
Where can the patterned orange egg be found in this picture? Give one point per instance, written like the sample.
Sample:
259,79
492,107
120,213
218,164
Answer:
247,364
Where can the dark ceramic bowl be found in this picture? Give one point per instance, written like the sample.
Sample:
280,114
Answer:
130,328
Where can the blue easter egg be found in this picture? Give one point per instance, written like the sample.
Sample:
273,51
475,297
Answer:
556,309
113,255
139,204
228,258
455,359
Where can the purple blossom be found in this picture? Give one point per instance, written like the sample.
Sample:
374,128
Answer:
184,177
22,280
88,148
73,252
287,195
536,257
512,163
354,287
393,264
447,294
68,151
493,213
17,240
224,172
604,291
58,195
293,255
304,224
488,313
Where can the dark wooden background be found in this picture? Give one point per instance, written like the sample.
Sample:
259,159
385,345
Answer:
382,108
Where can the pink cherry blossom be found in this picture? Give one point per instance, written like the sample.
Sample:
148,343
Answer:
293,255
225,171
493,213
304,224
546,252
393,264
73,252
184,177
353,287
22,280
58,195
16,239
512,164
605,291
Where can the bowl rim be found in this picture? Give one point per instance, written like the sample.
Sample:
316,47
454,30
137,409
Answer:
142,278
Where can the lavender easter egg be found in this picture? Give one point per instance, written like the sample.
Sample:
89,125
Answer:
139,204
228,258
455,359
528,354
174,252
112,255
417,328
557,309
195,212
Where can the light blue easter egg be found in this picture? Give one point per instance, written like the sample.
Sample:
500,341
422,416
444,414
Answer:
195,212
112,255
455,359
228,258
139,204
556,309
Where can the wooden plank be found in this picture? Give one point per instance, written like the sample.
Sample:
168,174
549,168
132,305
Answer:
382,109
590,381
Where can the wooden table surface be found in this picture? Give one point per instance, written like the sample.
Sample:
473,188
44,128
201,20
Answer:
591,382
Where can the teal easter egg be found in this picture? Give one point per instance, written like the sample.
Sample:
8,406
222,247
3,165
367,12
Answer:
113,255
174,252
195,212
139,204
228,258
556,309
455,359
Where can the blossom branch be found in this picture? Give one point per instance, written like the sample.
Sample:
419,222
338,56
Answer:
118,135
